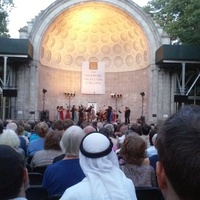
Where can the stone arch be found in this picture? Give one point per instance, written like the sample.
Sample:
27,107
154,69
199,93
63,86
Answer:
54,10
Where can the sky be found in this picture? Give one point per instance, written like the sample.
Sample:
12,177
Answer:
25,10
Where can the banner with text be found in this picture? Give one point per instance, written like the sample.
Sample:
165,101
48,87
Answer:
93,78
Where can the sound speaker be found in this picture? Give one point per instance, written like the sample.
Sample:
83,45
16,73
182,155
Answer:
44,115
9,92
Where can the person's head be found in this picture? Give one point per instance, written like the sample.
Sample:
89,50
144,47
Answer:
133,149
89,129
58,125
151,135
146,129
99,125
13,174
123,129
101,167
52,140
12,126
10,138
111,129
27,127
105,131
136,128
41,129
178,143
67,123
96,152
71,140
20,130
32,124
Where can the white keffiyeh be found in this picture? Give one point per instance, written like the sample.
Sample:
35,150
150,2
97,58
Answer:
103,176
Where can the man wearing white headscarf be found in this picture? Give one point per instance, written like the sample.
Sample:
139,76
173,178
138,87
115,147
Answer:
104,180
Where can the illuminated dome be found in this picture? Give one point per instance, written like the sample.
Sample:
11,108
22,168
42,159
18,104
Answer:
94,32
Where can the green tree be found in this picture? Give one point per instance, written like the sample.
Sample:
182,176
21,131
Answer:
179,18
5,8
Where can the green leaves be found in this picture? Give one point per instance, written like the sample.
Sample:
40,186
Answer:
5,7
179,18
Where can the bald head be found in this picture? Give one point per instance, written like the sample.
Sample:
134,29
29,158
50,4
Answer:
89,129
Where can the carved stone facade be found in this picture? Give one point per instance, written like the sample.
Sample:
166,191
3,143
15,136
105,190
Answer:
116,32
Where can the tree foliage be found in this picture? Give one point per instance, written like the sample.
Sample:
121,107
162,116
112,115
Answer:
5,7
179,18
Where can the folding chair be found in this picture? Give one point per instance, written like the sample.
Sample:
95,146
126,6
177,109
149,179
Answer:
40,169
55,197
149,193
36,193
35,178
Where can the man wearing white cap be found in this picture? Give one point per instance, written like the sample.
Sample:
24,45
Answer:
104,180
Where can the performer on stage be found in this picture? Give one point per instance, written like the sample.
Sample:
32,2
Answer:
57,116
74,114
81,111
67,115
61,112
109,114
127,115
89,113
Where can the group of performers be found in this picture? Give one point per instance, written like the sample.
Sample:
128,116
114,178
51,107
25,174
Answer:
76,114
88,114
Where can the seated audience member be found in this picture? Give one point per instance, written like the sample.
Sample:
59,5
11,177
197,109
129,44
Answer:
122,130
10,138
178,144
111,135
58,125
13,126
67,123
133,154
13,174
24,141
89,129
38,144
151,150
27,130
67,172
33,135
51,150
99,125
104,179
145,133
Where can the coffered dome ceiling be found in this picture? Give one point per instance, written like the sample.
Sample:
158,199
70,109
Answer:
94,32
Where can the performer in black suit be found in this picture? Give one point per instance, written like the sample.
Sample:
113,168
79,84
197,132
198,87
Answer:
127,115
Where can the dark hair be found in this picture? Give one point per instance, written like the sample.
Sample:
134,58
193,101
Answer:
41,129
133,149
67,123
105,131
58,125
12,172
178,143
52,140
136,128
27,127
146,129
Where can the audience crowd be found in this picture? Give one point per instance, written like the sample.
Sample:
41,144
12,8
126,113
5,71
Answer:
103,160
